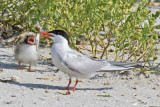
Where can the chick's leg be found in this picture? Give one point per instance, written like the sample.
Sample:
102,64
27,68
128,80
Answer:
20,66
29,69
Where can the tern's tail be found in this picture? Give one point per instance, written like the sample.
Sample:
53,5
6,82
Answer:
126,64
114,68
118,66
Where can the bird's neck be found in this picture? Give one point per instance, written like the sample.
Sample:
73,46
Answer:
63,46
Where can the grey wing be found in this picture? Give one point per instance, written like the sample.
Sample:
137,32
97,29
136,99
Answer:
17,49
80,63
123,64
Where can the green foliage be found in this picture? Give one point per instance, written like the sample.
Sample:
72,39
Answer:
130,25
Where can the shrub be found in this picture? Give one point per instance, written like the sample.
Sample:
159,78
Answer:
128,22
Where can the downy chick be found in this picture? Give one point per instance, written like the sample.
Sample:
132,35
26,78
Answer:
25,51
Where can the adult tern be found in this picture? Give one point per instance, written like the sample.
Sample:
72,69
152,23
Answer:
74,63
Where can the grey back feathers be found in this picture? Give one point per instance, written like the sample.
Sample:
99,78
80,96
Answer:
60,32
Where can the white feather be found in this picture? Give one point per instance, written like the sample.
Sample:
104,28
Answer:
76,64
26,54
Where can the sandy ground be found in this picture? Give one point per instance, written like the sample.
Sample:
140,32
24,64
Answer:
111,89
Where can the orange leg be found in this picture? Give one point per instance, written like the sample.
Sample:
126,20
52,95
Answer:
20,67
67,88
30,70
73,89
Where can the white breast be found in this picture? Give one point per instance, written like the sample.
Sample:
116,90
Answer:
55,52
27,54
57,57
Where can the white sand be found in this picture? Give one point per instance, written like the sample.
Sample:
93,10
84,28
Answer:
123,90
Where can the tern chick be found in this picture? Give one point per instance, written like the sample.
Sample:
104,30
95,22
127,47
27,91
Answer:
25,51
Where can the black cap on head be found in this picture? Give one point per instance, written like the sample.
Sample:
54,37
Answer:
60,32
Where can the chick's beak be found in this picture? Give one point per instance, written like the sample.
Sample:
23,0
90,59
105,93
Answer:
31,40
46,34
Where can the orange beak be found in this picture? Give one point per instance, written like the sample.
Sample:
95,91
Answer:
46,34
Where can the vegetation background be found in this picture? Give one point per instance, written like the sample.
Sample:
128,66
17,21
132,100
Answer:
102,27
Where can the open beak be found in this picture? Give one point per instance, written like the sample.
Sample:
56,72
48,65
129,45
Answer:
31,40
46,34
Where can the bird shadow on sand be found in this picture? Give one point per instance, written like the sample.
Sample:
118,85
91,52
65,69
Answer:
8,65
43,62
51,87
7,62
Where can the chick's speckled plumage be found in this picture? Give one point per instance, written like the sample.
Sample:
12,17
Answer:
25,51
